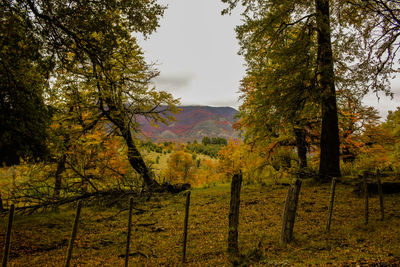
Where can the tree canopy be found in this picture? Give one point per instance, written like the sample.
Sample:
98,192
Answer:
96,66
299,53
24,116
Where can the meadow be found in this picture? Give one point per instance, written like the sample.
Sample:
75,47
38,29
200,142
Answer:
41,239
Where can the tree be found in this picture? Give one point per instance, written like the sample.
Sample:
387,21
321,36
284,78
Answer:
230,158
24,116
82,148
93,42
284,34
278,105
392,125
354,118
332,65
206,141
392,122
121,92
180,167
380,31
329,159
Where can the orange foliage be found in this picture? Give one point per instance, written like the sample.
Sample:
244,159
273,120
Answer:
184,167
99,156
207,173
180,167
230,158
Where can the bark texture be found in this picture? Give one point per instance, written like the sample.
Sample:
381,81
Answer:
329,158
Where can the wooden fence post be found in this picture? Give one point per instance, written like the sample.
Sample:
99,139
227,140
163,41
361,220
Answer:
1,204
380,191
233,247
185,226
8,236
289,213
128,235
73,235
331,201
365,197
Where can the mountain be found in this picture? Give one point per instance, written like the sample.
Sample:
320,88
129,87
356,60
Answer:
194,123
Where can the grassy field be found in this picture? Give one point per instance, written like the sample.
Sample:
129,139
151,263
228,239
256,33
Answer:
41,239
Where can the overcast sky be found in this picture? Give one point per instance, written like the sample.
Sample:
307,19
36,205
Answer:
195,50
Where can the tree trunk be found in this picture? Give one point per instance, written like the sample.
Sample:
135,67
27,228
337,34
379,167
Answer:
136,159
301,145
329,158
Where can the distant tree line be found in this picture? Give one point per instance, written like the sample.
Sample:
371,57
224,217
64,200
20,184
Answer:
150,146
209,146
214,141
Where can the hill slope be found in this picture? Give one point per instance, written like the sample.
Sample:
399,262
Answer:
194,123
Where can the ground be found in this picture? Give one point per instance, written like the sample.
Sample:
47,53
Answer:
41,239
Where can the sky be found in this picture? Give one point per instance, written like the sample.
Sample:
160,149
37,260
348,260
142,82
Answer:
195,49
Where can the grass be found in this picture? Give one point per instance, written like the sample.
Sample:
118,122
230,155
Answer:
42,239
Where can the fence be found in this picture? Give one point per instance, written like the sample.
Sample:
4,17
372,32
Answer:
288,219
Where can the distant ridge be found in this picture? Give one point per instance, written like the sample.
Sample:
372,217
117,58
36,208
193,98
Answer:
194,123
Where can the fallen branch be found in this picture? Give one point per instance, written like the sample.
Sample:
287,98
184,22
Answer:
166,187
33,208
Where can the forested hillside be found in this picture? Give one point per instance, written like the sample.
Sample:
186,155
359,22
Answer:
194,123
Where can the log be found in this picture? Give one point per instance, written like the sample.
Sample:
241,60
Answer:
174,188
117,193
32,208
